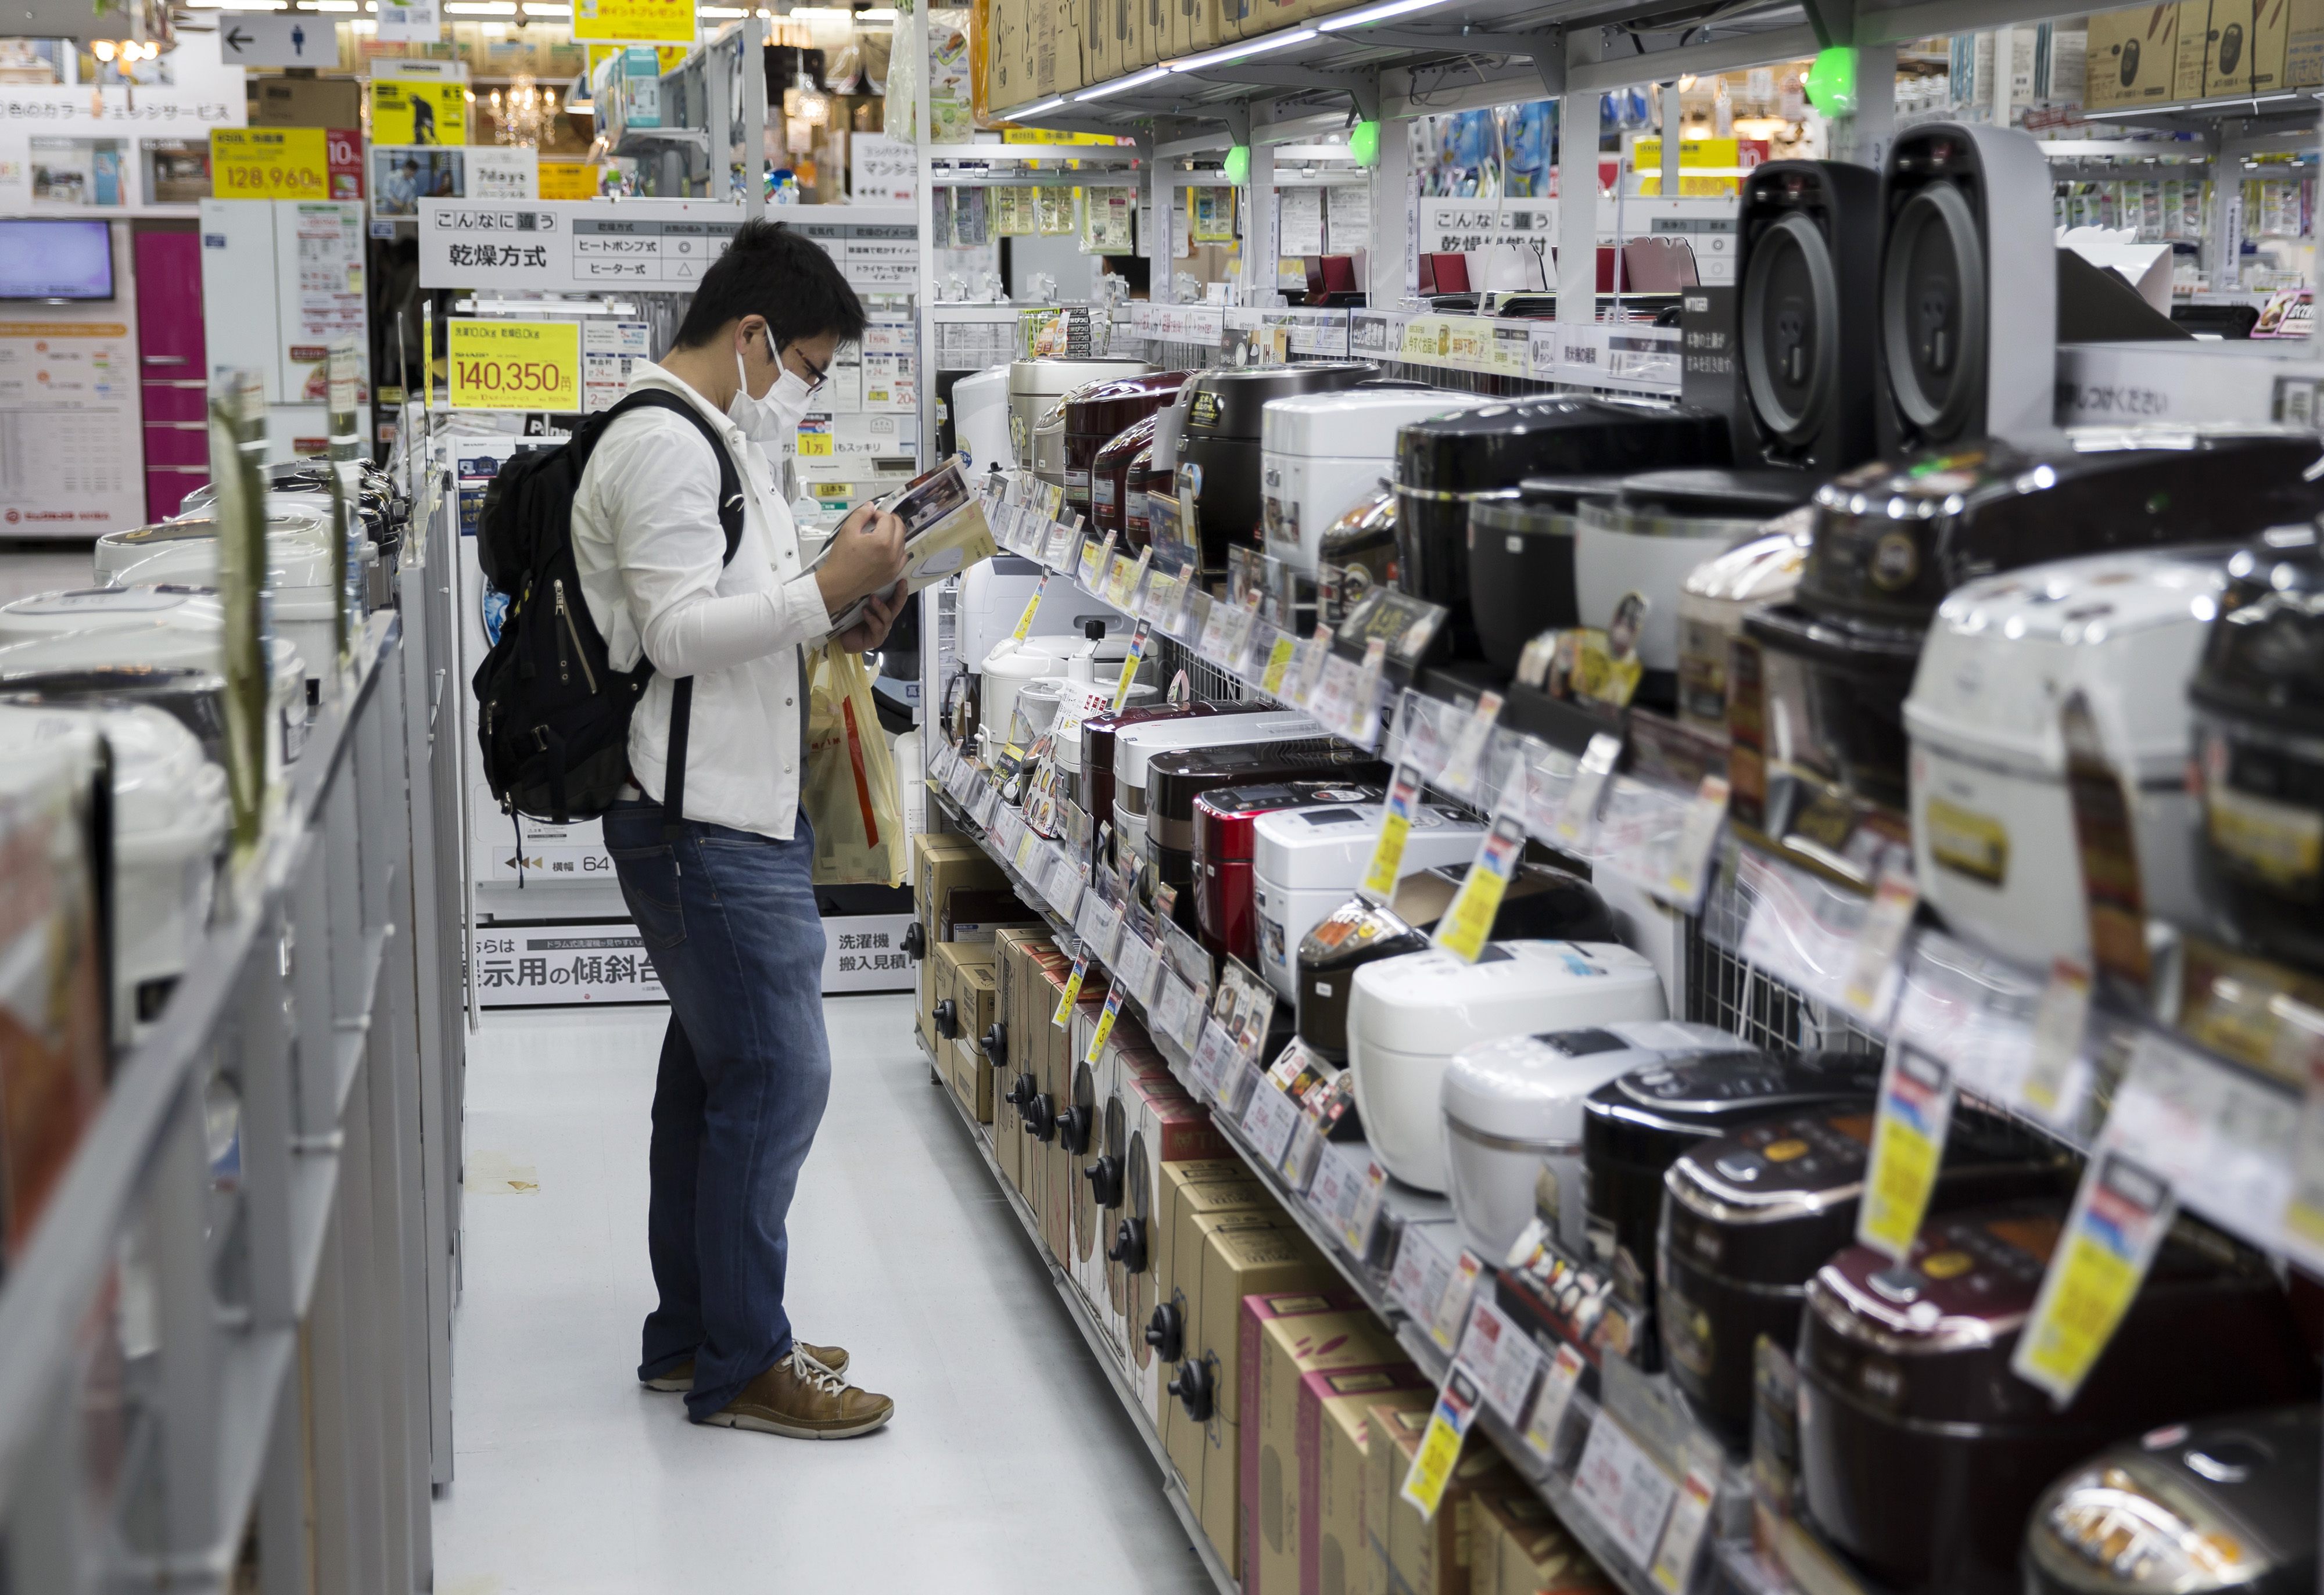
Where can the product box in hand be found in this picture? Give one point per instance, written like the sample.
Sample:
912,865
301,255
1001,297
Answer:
1287,1341
944,532
2134,55
1339,1547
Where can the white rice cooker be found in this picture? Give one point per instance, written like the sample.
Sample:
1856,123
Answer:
195,609
1013,666
287,515
1408,1016
169,823
1320,453
1711,606
1305,862
1994,842
1513,1112
1135,747
301,591
160,643
980,420
1057,705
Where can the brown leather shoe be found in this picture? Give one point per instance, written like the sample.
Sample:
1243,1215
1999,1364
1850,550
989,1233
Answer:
679,1380
800,1398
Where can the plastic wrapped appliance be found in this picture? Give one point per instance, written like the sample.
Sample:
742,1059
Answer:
193,696
168,817
1226,824
1921,1455
1411,1016
1447,465
1176,783
1639,1124
1320,454
1059,704
1223,418
1305,865
1539,904
193,610
1035,387
1714,599
2258,701
1512,1123
79,663
1136,746
1891,541
980,420
2225,1505
1993,844
1096,414
1748,1218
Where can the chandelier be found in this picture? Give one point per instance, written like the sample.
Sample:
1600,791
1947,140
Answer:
522,114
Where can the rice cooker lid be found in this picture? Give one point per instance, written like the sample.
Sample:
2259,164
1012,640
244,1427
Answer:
1651,1114
1717,495
2225,1503
1135,747
1495,447
1028,658
1433,1004
161,780
293,561
1531,1088
1359,423
1357,932
2264,655
1053,379
1763,570
159,643
1248,802
1370,518
1175,780
1303,847
1545,506
1230,402
1106,407
90,609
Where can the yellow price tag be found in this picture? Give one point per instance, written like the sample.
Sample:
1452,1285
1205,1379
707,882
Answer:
1032,607
1468,924
569,180
418,111
634,22
1129,666
515,365
815,440
1105,1024
1278,665
1072,992
270,163
1396,824
1095,559
1908,1142
2120,1216
1440,1444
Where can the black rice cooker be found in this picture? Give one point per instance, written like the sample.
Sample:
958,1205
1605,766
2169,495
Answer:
1891,540
1221,440
1521,561
2258,701
1447,464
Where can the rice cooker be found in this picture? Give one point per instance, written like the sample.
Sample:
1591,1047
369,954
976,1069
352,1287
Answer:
303,598
1049,459
1177,782
194,610
980,420
1226,824
1993,844
1357,553
1714,599
1640,1123
991,599
1521,561
90,660
1892,541
1321,453
1539,904
1093,789
2224,1504
1224,419
1512,1123
1748,1218
1410,1017
168,817
1922,1456
194,696
1305,865
1012,665
1139,482
1096,414
1055,706
1135,748
1110,482
2258,701
295,516
1035,387
1447,465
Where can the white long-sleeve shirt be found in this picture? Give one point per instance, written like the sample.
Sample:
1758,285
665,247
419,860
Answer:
647,541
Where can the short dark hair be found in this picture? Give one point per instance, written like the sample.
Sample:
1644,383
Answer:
772,271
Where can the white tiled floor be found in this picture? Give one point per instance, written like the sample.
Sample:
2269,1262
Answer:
1008,1467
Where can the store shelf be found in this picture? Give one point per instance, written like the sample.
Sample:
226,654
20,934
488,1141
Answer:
1174,1488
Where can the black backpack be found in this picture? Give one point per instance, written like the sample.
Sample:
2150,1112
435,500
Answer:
554,718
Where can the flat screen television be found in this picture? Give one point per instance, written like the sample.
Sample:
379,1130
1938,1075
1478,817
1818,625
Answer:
55,260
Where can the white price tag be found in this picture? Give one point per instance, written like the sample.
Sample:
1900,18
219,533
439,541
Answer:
1098,924
1564,1377
1135,966
1422,1273
1299,1163
1577,816
1222,632
1269,1119
1503,1358
1869,989
1698,836
1183,626
1065,883
1027,853
1311,668
1215,1058
1673,1565
2051,1086
1623,1489
1334,691
1470,738
1453,1303
1359,717
1367,1191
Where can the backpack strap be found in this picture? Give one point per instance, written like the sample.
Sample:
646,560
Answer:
730,521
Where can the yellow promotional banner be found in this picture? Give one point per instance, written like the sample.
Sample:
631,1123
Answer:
633,22
418,111
270,163
569,180
664,56
515,364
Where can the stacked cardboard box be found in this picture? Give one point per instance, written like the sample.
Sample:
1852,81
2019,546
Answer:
2192,49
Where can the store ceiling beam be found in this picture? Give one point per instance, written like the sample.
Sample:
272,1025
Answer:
1834,21
1925,19
1362,87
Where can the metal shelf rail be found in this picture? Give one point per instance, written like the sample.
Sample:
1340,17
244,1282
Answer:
226,1353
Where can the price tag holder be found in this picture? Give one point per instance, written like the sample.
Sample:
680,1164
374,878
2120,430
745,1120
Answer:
1908,1142
1452,1312
1066,882
1098,924
1104,1027
1577,816
1440,1444
1032,607
1366,1193
1624,1490
1422,1271
1269,1119
515,365
1698,840
1129,666
1179,1011
2120,1215
1133,600
1502,1358
1215,1058
1095,558
1310,669
1470,738
1135,966
1875,971
1682,1542
1279,654
1468,925
1182,627
1028,853
2052,1085
1160,603
1557,1387
1387,865
1072,992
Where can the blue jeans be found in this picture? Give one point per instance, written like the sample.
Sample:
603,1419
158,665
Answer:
729,919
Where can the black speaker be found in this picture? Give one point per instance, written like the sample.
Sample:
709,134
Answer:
1806,321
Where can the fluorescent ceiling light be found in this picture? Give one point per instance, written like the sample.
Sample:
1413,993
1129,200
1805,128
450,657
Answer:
1376,13
722,13
1236,53
546,8
1046,106
1121,85
334,4
480,7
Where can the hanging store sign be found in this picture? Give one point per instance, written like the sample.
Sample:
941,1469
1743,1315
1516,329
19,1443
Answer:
515,365
270,163
650,246
633,22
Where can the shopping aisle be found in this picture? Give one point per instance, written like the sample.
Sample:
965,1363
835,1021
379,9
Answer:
1010,1464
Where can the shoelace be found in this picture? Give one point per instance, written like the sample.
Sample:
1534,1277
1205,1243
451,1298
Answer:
813,1374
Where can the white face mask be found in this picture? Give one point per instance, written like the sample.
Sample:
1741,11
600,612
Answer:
772,413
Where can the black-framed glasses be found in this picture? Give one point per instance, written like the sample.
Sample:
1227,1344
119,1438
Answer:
821,373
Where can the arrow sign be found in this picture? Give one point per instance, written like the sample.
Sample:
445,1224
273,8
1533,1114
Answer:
276,38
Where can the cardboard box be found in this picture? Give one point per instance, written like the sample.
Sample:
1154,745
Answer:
2195,38
1187,1436
1009,55
1343,1557
974,990
2271,46
2230,47
2133,56
2304,55
940,1025
306,102
1285,1339
1167,1126
1102,38
1238,1263
1430,1557
1518,1548
1260,17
